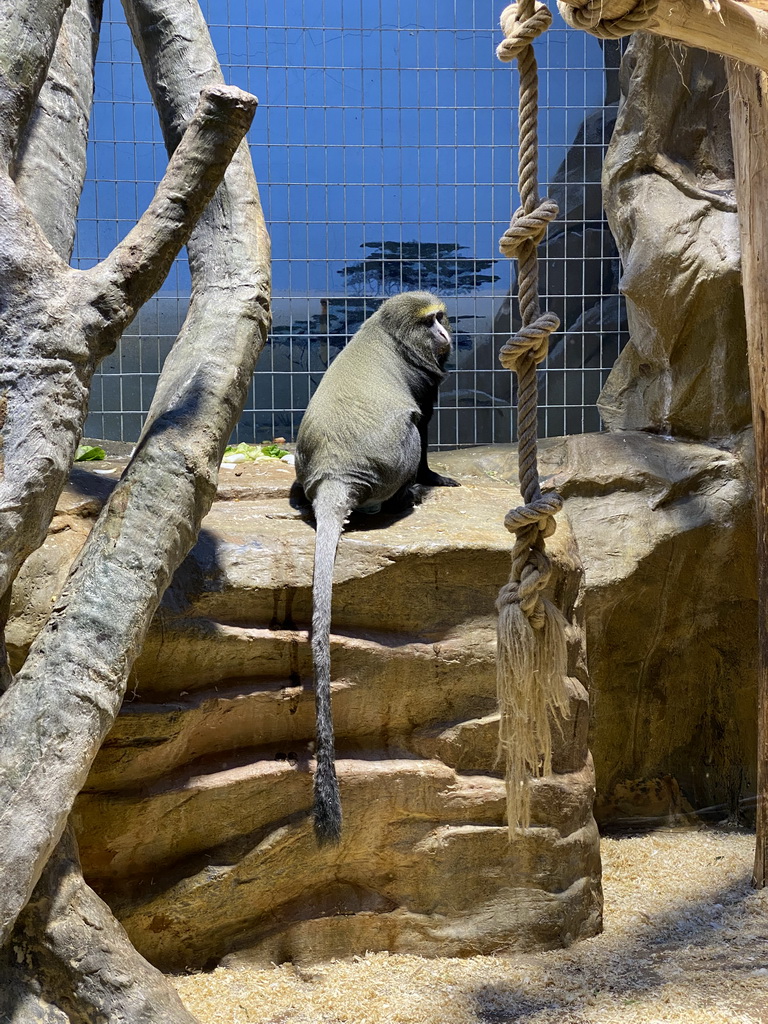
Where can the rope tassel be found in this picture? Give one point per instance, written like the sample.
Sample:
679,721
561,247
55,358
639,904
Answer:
531,648
530,667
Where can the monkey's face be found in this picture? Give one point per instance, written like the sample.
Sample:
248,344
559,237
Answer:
433,318
419,323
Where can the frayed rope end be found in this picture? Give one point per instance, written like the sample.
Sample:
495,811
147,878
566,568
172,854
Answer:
531,666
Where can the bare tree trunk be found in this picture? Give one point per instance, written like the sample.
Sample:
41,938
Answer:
71,961
56,324
55,715
50,160
68,959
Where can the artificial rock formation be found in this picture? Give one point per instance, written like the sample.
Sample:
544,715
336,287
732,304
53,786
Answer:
669,194
667,531
666,535
194,823
675,689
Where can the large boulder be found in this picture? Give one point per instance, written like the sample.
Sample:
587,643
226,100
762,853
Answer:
666,534
194,823
669,194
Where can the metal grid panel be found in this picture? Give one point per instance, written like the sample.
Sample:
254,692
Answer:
385,144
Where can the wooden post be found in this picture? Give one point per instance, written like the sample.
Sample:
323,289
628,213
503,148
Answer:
749,128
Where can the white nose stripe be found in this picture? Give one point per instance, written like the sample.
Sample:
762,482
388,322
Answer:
442,332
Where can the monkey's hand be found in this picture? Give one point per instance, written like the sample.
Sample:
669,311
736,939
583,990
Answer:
429,478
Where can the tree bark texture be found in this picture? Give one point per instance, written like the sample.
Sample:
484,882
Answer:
56,324
81,314
70,961
748,88
50,162
61,704
732,28
29,30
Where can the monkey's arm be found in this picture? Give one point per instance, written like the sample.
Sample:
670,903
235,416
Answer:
424,475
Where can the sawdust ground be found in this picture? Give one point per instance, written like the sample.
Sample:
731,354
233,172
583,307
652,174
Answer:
685,942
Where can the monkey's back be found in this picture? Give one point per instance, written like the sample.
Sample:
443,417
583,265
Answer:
360,427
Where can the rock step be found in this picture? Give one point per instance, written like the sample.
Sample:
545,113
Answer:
219,855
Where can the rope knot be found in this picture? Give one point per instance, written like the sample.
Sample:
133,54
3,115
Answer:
519,34
531,568
587,15
526,592
511,595
527,227
529,342
540,512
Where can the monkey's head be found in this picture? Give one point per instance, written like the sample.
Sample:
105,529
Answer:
419,322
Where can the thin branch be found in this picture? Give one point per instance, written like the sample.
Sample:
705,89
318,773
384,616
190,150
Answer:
195,170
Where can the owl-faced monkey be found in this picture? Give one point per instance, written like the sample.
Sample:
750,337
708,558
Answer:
362,444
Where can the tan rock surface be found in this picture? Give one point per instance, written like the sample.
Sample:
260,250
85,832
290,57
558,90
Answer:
194,823
195,819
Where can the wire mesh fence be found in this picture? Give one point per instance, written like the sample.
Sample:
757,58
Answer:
385,145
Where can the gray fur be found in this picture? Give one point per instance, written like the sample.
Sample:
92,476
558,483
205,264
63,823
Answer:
363,441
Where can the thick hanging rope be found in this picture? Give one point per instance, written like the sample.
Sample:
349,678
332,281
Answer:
531,651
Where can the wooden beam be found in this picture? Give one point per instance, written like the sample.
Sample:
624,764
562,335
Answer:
748,88
730,27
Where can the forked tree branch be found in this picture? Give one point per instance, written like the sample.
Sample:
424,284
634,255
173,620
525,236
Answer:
56,324
195,170
62,703
68,953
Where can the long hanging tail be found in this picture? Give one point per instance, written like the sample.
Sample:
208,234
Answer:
331,505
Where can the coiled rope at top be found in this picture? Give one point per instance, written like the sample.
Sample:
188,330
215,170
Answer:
531,651
590,16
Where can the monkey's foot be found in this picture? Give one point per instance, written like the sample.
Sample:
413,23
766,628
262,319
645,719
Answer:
432,479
